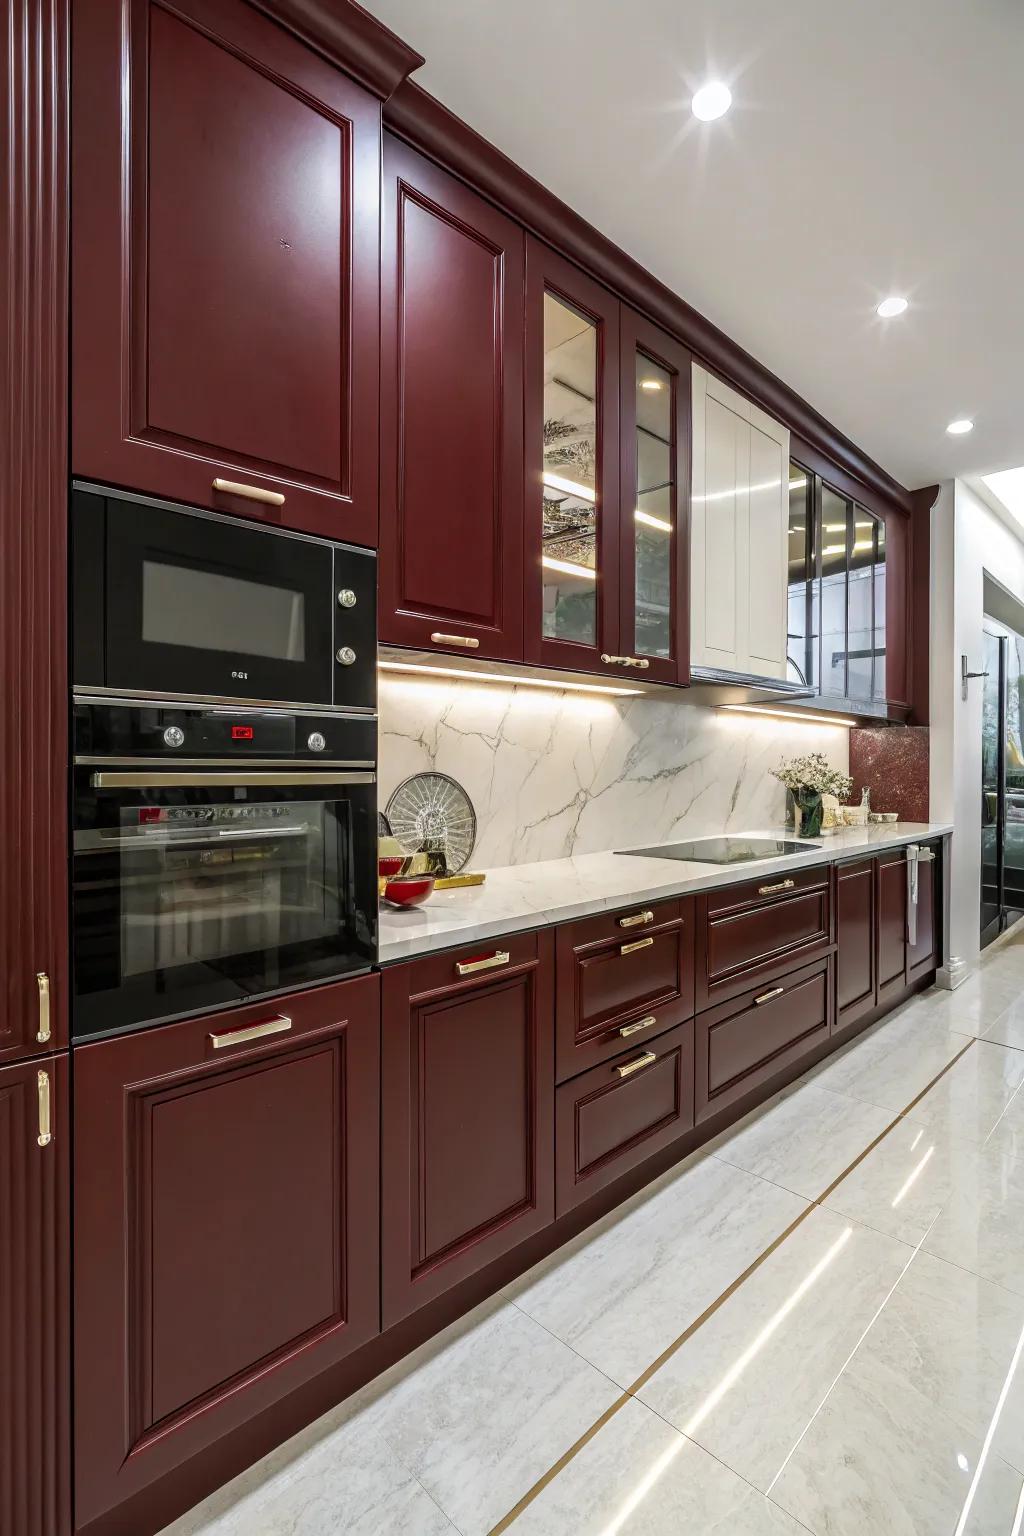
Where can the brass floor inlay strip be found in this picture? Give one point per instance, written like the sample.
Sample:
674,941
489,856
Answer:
709,1311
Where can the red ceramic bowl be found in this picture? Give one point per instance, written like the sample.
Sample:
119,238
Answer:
408,890
389,864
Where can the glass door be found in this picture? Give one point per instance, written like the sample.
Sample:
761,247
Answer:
654,402
993,795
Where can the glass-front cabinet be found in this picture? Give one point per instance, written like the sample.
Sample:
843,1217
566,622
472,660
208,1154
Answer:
836,631
607,465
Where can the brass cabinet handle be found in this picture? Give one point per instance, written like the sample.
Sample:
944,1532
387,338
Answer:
780,885
634,1029
468,642
765,996
251,492
488,963
627,949
636,919
43,1088
277,1026
625,661
636,1065
43,984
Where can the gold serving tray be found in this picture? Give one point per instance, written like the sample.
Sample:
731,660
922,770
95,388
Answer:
458,882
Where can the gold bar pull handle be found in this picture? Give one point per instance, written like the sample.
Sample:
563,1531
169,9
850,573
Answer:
467,642
43,986
488,963
780,885
43,1087
637,919
250,492
277,1026
628,949
625,661
637,1064
634,1029
767,996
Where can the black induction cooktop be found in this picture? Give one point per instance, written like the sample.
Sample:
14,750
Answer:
723,850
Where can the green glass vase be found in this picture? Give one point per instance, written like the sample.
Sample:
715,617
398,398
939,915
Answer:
810,807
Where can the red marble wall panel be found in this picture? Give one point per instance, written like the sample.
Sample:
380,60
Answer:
893,763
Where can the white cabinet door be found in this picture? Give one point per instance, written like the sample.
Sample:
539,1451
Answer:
739,525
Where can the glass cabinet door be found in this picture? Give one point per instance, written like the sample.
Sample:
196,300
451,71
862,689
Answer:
572,557
654,395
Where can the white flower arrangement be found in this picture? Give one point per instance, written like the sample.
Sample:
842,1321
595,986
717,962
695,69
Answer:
814,771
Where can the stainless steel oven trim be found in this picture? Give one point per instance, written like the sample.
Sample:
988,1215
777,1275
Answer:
240,763
226,780
87,693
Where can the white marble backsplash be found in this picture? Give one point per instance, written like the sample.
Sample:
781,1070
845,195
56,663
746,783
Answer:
553,774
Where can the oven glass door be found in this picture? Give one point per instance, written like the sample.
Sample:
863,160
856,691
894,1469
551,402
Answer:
200,606
191,896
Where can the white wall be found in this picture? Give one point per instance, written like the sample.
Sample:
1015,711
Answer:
968,539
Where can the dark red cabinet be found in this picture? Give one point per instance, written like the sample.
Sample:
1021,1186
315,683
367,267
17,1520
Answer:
467,1113
759,929
451,415
226,1225
923,952
34,1308
856,908
225,278
891,940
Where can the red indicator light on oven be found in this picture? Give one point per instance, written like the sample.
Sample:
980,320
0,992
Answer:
148,813
241,733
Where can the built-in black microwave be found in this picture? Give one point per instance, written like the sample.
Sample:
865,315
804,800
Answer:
171,602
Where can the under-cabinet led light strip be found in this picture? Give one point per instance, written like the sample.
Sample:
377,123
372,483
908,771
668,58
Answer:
514,681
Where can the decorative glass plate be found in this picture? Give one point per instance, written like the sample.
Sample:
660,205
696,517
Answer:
431,808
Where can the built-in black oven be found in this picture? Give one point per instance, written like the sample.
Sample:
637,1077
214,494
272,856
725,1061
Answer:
168,600
220,855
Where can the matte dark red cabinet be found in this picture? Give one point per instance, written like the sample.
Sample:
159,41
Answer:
34,1304
856,929
451,545
467,1113
226,1225
225,265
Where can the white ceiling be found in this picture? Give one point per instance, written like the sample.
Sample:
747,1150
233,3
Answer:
873,147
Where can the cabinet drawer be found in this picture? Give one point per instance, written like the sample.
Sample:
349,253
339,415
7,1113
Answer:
474,962
619,1113
745,1042
759,930
627,971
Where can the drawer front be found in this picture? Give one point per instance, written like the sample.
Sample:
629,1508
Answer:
488,958
752,893
745,1042
621,977
760,940
614,1116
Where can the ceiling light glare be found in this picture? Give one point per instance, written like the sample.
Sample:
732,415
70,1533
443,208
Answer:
891,307
960,426
711,101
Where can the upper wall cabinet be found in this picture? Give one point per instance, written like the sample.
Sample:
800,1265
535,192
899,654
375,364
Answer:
740,514
607,400
225,186
451,415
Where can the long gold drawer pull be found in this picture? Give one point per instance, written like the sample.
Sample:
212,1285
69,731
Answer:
625,661
488,963
767,996
250,492
780,885
634,1029
278,1026
43,1087
468,642
635,1066
637,919
627,949
43,984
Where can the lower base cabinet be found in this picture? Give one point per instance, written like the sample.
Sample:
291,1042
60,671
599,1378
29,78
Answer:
856,937
618,1114
467,1099
226,1225
877,960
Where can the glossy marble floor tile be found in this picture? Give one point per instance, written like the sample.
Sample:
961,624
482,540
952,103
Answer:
969,1100
981,1224
639,1477
890,1065
624,1297
974,1005
1008,1028
748,1381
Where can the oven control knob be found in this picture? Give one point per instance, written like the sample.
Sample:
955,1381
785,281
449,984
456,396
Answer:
347,598
174,736
316,742
346,655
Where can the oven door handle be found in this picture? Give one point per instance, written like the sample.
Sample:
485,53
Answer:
241,778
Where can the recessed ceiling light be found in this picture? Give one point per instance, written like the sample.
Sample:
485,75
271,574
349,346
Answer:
891,307
711,101
960,426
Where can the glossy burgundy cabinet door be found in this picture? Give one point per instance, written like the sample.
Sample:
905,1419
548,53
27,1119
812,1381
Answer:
855,941
452,274
225,275
226,1225
758,929
923,954
891,898
467,1110
34,1311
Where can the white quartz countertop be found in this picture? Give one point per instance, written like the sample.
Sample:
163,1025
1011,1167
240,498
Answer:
522,896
